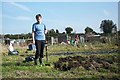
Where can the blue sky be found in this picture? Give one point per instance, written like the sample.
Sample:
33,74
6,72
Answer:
18,17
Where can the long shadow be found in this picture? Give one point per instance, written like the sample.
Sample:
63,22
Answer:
17,64
7,64
26,55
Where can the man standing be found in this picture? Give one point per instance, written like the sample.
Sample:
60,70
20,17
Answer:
38,36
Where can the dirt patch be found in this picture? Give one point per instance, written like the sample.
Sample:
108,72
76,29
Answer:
88,63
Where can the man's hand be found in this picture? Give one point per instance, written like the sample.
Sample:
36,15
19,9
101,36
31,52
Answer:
33,41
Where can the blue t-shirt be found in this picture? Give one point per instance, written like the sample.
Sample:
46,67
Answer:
39,31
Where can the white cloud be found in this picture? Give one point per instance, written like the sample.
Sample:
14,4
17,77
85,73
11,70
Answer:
24,18
106,12
6,16
20,6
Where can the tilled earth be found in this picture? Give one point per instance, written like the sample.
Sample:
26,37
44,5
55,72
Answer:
90,62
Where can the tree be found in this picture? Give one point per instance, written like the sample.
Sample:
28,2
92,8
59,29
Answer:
107,26
51,33
63,33
68,30
88,30
57,31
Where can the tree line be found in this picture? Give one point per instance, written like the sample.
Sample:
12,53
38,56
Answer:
108,27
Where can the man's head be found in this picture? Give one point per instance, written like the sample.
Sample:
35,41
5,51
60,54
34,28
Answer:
38,17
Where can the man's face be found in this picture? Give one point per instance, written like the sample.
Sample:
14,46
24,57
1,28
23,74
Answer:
38,19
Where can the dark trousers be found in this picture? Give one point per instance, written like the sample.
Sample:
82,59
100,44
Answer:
39,48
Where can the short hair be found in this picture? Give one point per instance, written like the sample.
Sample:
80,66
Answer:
38,15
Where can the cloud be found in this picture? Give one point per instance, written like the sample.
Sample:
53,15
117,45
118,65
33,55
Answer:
23,18
106,12
20,6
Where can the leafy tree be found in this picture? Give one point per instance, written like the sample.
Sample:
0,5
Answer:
57,31
18,36
7,36
107,26
29,35
63,33
51,33
68,30
88,30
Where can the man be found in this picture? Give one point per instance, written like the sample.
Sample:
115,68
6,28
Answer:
38,36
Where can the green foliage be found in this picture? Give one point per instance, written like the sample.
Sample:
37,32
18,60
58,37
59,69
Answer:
107,26
51,33
88,30
57,31
68,30
18,36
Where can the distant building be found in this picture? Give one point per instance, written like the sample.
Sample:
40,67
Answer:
93,38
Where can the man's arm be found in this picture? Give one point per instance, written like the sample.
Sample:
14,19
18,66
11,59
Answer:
33,39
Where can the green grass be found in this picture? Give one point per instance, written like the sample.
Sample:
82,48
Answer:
80,48
13,67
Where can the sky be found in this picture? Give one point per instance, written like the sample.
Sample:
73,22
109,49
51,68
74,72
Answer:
119,16
18,17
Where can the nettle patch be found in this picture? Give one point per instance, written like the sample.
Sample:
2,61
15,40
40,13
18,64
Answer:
88,63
